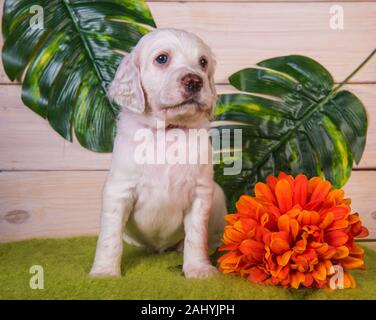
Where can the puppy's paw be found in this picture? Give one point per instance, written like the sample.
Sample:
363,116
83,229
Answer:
200,271
104,273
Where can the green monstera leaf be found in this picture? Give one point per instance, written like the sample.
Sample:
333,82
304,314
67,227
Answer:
293,119
69,58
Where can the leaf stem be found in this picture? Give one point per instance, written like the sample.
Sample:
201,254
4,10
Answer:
340,85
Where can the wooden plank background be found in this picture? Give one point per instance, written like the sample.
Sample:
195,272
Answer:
51,188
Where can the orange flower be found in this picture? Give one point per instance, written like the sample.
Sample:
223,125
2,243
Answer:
292,233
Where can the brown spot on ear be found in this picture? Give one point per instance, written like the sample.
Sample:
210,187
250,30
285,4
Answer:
209,114
146,99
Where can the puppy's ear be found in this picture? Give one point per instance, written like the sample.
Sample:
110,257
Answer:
126,89
213,103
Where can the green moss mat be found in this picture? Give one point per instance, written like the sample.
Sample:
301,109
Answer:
145,276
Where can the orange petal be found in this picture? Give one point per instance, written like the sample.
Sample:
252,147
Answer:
284,259
336,238
231,218
329,253
327,221
279,243
272,182
339,224
352,263
282,272
248,206
347,202
283,193
287,177
232,235
328,265
320,248
364,233
294,227
228,247
294,212
284,223
300,190
319,194
336,196
308,280
357,230
257,275
353,218
271,209
248,224
315,218
263,192
253,248
341,252
304,218
296,279
320,272
229,262
356,250
348,281
312,184
340,212
309,218
300,246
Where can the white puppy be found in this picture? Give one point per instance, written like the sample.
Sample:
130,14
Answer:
167,78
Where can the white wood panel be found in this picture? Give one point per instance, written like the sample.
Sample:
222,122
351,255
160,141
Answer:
27,142
242,34
361,189
54,204
63,204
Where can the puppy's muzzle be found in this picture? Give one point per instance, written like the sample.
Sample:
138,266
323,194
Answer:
192,83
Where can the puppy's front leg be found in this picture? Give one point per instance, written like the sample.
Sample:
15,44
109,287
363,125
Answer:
196,257
117,204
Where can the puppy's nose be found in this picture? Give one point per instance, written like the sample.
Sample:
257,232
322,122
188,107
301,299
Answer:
192,83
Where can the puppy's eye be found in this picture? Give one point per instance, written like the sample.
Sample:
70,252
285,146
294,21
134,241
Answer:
203,62
162,59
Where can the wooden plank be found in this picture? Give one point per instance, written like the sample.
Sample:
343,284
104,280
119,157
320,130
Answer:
27,142
63,204
361,189
242,34
49,204
3,76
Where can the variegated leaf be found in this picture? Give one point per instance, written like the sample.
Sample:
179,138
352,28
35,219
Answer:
293,120
68,64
